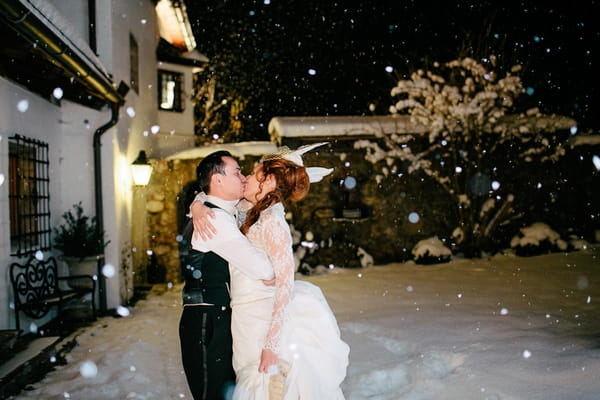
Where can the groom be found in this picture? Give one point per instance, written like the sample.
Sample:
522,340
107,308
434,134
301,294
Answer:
204,328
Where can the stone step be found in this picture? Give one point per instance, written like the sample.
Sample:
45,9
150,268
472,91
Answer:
32,361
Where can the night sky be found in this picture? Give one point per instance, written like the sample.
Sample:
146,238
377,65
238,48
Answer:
314,57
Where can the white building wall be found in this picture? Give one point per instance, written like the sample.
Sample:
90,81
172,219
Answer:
121,144
179,122
43,121
176,128
69,129
76,12
75,168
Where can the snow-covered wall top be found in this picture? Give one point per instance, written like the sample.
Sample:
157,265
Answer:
280,127
590,140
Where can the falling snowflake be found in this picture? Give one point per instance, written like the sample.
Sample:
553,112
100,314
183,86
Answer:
108,270
123,311
130,111
23,105
88,369
413,217
57,93
596,161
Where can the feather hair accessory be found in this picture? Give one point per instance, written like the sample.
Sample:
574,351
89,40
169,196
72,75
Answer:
315,174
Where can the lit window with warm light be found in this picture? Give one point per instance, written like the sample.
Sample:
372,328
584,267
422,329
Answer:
170,91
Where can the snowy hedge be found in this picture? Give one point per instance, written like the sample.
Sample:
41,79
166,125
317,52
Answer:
537,238
431,251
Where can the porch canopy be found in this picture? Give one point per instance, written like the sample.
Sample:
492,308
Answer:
283,129
239,150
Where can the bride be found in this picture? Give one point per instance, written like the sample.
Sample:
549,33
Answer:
286,341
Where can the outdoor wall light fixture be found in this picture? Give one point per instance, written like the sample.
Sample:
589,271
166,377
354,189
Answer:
141,170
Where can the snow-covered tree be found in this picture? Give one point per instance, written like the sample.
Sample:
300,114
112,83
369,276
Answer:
211,110
476,144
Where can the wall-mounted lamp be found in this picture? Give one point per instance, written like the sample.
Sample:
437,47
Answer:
141,170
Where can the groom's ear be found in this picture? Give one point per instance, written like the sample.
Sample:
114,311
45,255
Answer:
215,180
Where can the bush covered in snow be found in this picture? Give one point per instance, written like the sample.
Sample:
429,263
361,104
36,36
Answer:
366,260
536,239
539,238
473,119
431,251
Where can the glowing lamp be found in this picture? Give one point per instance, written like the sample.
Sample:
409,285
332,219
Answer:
141,170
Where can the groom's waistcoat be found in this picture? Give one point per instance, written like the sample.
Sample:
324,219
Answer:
206,277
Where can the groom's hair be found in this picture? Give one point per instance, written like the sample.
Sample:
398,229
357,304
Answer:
210,165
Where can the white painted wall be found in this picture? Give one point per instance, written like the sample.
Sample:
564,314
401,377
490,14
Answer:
121,144
176,128
76,12
179,122
69,130
75,166
41,121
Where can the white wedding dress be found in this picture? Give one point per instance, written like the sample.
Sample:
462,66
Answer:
291,318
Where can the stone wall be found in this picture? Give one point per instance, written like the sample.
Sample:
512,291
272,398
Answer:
163,195
385,215
372,216
334,221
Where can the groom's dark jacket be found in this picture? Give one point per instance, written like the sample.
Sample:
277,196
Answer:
206,277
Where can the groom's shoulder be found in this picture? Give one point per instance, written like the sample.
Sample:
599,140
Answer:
223,215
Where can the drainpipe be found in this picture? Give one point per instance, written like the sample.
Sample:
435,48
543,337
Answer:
114,118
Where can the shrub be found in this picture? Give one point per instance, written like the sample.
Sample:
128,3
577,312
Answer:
79,236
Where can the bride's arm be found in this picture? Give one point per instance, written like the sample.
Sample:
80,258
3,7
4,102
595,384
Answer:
202,214
278,245
200,217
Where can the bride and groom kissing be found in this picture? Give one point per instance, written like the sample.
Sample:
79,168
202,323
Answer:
248,330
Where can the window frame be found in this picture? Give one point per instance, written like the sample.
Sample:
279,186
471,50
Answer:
177,101
134,64
29,196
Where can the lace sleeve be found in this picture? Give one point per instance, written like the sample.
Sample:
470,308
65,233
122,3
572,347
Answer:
278,243
201,197
242,209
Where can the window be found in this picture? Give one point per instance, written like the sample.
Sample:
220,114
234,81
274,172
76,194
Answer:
170,91
29,196
134,64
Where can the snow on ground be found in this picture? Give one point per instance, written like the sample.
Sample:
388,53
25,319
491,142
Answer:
496,329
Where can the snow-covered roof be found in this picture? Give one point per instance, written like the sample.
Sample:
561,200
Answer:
294,127
239,150
64,30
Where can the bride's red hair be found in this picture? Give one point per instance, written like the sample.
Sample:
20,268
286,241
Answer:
292,183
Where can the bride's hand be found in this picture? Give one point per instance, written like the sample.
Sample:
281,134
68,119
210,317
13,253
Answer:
268,362
202,225
269,282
